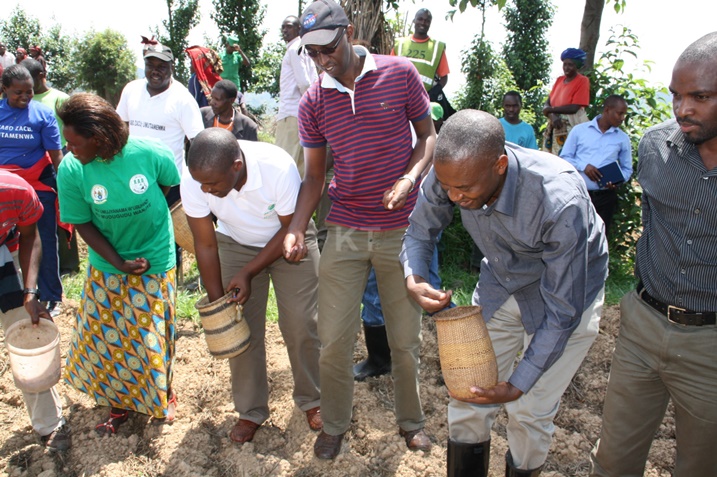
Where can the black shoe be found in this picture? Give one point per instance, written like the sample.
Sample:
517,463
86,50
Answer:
378,361
58,440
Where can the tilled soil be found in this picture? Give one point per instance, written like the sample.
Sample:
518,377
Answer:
197,443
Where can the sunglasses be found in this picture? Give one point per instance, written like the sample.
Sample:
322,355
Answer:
326,50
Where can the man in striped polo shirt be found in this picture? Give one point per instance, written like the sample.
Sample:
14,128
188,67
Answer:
362,106
666,346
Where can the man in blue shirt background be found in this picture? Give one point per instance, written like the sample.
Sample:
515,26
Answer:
598,143
516,131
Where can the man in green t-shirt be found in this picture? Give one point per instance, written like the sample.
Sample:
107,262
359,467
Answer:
427,55
232,59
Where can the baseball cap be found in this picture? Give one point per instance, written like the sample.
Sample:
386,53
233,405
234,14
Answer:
436,111
320,22
158,50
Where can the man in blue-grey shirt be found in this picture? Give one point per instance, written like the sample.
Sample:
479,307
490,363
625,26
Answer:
541,281
596,144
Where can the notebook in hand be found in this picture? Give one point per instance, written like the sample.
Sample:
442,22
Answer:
610,173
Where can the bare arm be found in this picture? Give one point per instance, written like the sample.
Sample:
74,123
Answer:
101,245
565,109
30,253
245,59
421,157
241,281
55,157
207,254
309,196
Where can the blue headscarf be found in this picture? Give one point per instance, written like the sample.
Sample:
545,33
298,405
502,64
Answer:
576,54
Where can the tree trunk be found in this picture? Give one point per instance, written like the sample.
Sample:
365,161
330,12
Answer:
370,26
590,30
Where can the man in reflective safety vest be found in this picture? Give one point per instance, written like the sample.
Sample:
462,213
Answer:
426,54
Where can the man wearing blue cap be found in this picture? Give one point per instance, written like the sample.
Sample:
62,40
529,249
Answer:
362,106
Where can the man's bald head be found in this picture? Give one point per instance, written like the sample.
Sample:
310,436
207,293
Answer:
214,149
470,134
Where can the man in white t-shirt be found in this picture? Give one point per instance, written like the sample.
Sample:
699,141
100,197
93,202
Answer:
297,74
7,59
251,188
160,107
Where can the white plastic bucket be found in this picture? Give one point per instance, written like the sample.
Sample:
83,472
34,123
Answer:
34,354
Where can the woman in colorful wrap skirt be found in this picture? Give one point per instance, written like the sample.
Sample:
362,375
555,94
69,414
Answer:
112,189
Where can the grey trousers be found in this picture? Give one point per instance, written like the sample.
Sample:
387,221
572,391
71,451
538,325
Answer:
530,418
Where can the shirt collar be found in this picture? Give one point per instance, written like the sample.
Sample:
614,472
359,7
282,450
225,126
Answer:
298,38
506,200
594,124
677,139
253,174
369,64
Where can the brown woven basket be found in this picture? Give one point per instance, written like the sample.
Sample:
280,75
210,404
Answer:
465,350
182,233
225,329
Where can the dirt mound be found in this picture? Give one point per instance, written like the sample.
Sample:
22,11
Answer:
196,444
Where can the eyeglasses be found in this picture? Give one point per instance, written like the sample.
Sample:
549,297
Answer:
326,50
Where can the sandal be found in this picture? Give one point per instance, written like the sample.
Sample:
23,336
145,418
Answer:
171,410
112,424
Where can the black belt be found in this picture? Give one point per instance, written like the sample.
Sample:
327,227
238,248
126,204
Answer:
676,314
601,191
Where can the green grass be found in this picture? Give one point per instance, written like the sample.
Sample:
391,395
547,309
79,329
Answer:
620,281
72,285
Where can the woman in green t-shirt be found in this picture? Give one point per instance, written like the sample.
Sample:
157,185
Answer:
111,187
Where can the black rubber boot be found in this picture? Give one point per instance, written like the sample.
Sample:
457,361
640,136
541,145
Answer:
468,460
511,471
378,361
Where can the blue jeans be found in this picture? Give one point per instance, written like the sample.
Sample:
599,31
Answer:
48,280
371,314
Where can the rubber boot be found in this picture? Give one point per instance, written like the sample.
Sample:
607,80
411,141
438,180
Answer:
468,460
511,471
378,361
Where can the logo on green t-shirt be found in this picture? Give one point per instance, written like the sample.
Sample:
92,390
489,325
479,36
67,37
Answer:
138,184
99,194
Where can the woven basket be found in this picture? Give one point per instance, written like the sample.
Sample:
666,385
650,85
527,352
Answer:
182,233
465,350
225,329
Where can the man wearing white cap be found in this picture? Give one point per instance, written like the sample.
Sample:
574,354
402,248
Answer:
159,107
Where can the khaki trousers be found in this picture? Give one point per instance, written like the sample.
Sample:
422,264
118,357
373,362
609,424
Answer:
655,361
287,138
296,289
346,259
530,418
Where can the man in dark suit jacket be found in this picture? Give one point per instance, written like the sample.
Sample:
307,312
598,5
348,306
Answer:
222,113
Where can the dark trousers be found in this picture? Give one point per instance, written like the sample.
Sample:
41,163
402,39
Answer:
605,203
48,280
